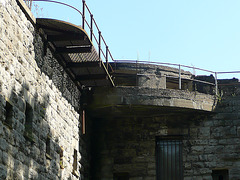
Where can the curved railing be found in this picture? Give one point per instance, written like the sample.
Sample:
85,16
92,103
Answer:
89,25
103,49
179,67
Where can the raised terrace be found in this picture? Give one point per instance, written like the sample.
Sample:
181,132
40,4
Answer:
69,110
129,86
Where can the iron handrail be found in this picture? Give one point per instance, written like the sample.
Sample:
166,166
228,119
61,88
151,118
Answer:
159,63
90,26
231,72
98,40
57,2
99,32
179,71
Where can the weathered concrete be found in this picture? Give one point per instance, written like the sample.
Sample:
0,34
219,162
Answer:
40,136
129,118
149,75
126,144
138,96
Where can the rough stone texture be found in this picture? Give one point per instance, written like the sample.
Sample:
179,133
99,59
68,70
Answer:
29,77
123,133
126,144
127,121
154,97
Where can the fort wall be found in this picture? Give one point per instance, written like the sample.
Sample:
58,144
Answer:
137,130
40,117
40,135
125,145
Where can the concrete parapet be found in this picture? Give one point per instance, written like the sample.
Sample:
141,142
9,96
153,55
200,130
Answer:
139,96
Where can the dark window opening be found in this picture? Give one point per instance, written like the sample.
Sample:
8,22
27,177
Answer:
75,163
121,176
29,123
9,114
28,117
221,174
169,159
61,158
48,148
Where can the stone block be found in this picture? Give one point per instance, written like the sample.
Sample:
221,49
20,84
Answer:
236,122
3,144
191,158
197,165
204,132
1,128
197,149
3,172
238,130
188,178
21,104
213,142
207,177
222,141
203,157
187,166
5,158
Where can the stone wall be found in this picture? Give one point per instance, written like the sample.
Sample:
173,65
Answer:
214,143
39,106
125,144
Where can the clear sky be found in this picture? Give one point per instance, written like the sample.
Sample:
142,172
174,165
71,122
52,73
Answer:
200,33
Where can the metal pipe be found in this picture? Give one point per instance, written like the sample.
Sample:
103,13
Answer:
107,57
61,4
99,45
180,78
228,72
83,14
216,84
91,28
161,63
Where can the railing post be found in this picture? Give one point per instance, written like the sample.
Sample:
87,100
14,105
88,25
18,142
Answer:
180,78
83,14
99,45
107,57
216,84
91,24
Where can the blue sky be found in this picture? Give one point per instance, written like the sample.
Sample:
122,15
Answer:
200,33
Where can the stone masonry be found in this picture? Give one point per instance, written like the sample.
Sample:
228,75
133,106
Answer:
126,143
40,116
39,105
129,120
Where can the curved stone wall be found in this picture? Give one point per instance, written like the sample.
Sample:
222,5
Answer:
138,96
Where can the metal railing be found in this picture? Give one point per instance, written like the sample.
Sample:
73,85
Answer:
89,24
179,69
98,39
107,54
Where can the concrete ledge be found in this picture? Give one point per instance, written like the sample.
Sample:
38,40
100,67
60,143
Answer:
27,11
137,96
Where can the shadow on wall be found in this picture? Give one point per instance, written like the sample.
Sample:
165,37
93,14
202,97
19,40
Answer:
49,65
26,148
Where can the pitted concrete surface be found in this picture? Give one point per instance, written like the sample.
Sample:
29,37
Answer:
138,96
